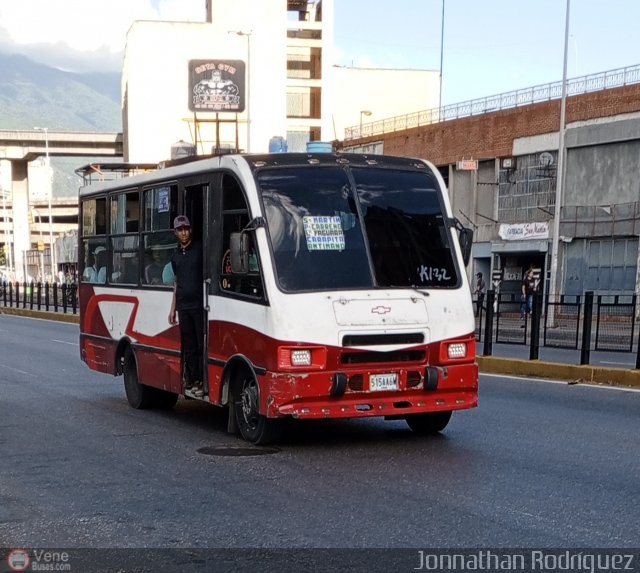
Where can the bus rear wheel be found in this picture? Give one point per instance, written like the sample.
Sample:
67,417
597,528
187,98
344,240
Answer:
140,396
425,424
253,426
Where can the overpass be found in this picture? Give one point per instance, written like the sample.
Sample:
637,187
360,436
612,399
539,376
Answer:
17,149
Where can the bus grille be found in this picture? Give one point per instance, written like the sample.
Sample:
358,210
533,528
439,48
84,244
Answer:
378,357
382,339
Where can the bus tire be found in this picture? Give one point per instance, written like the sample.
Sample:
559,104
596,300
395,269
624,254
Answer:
139,396
253,426
163,399
425,424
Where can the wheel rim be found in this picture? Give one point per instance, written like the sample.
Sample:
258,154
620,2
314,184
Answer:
249,403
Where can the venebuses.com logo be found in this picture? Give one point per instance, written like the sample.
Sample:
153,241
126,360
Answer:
18,559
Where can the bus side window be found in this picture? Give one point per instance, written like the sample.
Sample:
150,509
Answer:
235,217
159,208
94,242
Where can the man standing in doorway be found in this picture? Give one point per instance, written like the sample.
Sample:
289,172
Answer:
187,301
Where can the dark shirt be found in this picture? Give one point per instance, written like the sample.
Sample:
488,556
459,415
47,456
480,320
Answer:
187,267
529,285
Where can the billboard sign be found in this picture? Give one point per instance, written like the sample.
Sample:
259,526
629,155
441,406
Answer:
217,85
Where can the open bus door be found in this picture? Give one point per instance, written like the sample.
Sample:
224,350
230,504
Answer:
196,205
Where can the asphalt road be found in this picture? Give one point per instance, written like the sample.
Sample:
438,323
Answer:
538,464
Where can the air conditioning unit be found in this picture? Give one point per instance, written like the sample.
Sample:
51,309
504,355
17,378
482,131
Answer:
508,163
546,159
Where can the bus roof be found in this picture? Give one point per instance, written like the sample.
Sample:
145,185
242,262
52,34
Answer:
121,175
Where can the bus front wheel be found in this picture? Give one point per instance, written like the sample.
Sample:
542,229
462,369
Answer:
253,426
424,424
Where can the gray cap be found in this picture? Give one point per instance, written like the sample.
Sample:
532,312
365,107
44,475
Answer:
181,221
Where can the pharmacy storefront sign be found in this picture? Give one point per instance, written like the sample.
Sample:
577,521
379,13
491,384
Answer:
520,231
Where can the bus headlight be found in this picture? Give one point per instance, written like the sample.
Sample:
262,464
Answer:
302,358
457,350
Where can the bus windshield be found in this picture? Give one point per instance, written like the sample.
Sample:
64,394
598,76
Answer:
340,228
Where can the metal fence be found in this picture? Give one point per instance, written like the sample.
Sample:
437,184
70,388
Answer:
40,296
579,322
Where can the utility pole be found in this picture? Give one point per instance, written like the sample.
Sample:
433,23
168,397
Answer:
554,274
441,62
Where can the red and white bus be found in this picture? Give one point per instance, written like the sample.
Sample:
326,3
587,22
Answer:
335,287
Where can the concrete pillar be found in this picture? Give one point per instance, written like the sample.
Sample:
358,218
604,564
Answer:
20,204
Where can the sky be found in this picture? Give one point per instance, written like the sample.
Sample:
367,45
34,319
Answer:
488,47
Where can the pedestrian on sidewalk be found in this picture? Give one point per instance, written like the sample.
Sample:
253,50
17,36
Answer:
479,292
526,296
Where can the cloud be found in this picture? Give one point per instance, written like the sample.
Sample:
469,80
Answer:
82,35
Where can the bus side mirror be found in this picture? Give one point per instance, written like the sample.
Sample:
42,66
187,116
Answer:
239,245
465,238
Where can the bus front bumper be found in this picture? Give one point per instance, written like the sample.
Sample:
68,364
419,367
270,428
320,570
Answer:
456,388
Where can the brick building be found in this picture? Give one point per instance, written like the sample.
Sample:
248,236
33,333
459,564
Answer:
510,199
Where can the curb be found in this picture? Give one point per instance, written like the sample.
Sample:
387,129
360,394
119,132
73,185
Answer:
44,314
622,377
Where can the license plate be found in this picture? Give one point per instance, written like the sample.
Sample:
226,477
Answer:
383,382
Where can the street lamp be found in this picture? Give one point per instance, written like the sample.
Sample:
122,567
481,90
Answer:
39,215
364,112
247,35
50,193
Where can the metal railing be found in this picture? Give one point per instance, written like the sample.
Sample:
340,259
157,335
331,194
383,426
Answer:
576,322
527,96
50,297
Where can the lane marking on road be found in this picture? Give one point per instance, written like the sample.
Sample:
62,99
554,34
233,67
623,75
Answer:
17,370
562,382
620,363
65,342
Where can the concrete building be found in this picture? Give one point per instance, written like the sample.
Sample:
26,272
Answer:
254,73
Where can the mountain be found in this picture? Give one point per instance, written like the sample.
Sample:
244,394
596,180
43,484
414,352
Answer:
34,94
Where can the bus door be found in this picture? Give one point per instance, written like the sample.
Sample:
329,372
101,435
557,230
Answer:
196,207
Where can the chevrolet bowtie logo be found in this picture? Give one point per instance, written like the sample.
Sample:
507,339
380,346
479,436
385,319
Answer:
381,309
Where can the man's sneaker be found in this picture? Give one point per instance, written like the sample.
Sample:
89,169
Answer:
197,390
